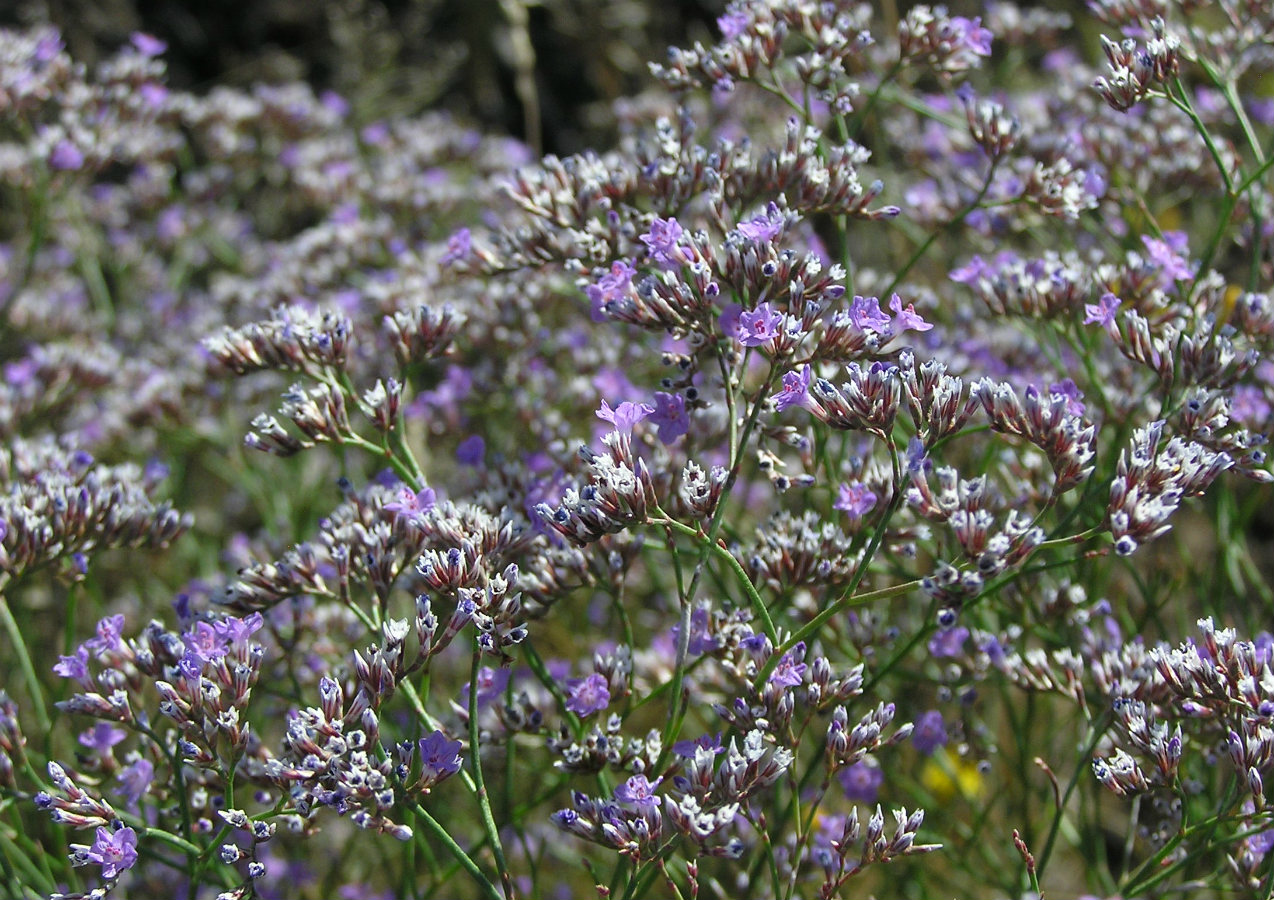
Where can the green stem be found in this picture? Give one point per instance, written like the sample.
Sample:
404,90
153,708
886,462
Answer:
24,662
447,842
475,758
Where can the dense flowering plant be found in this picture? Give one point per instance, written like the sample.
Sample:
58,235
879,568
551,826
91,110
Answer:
849,482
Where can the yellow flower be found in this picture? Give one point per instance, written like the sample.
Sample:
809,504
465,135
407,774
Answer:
944,776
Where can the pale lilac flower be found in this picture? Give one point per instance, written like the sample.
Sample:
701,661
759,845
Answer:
689,746
971,34
970,272
762,228
625,415
930,732
114,851
588,695
1167,255
108,634
861,781
459,247
134,780
733,24
1074,396
795,390
471,451
866,314
146,44
948,642
759,326
639,791
789,672
670,416
491,684
610,288
102,737
1103,312
65,156
662,240
906,319
413,504
855,499
439,756
74,667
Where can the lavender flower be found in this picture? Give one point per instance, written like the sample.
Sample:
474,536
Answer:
114,851
638,791
663,242
861,781
855,499
930,732
589,695
625,415
759,326
670,416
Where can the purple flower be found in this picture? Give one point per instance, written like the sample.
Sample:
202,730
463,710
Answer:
759,326
861,781
134,780
471,451
662,241
65,156
971,34
588,695
413,504
930,732
765,227
733,24
146,44
688,748
1070,390
203,643
1167,255
795,390
491,684
234,630
1103,313
639,791
970,272
75,667
906,319
439,757
114,851
790,672
102,737
866,314
855,499
670,416
108,634
948,642
459,248
624,416
610,288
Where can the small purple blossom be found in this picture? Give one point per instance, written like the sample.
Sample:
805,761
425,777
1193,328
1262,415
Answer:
689,747
855,499
439,757
65,156
413,504
759,326
861,781
906,319
866,314
971,34
765,227
459,248
790,672
73,667
588,695
114,851
639,791
1074,396
930,732
610,288
1103,312
625,415
102,737
795,390
491,684
948,642
146,44
471,451
670,417
134,780
662,241
733,24
1167,254
108,634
